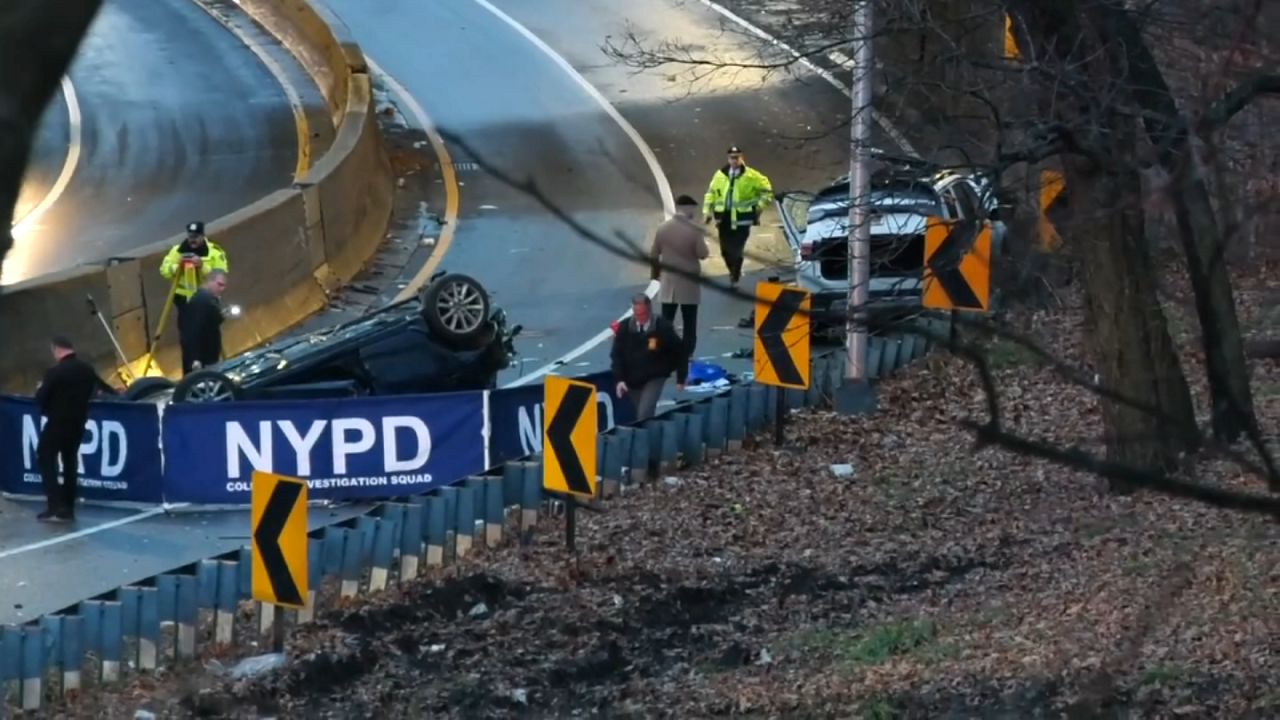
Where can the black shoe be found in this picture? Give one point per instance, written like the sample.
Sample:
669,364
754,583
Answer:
65,516
46,516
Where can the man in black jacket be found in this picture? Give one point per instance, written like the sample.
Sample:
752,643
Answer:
63,398
200,325
646,350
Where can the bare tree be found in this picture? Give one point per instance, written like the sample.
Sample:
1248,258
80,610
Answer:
1088,96
38,41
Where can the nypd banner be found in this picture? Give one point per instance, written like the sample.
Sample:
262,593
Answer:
119,457
346,449
516,417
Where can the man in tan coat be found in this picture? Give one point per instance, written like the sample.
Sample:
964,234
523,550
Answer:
679,247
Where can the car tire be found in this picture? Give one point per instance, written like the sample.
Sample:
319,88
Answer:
456,308
206,386
146,388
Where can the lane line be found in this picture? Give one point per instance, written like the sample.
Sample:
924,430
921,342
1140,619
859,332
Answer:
885,124
75,132
650,158
300,123
86,532
452,189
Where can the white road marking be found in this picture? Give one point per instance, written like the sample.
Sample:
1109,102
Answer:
835,56
650,158
75,131
86,532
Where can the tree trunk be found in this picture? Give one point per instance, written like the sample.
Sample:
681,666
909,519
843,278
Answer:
1201,236
38,40
1134,353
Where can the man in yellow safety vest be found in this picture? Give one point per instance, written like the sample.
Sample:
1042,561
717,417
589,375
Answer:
195,257
735,199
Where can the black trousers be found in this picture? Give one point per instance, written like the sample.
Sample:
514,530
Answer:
733,245
689,317
56,446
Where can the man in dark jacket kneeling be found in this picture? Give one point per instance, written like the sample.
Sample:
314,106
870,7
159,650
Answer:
646,350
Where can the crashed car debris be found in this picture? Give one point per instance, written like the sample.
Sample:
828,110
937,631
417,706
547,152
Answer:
904,194
446,339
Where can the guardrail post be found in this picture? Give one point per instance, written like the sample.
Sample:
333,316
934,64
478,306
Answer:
112,639
437,536
352,569
494,511
393,512
188,612
671,434
738,406
228,601
51,633
207,587
148,628
366,528
72,653
315,576
130,605
717,426
32,667
757,408
512,489
477,487
639,463
335,547
384,545
531,496
411,540
10,660
611,462
465,520
450,495
694,446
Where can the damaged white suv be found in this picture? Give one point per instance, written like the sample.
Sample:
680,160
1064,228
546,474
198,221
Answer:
902,199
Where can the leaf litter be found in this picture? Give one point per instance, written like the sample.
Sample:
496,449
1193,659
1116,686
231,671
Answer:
938,580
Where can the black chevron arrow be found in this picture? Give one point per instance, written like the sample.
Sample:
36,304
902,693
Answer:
945,266
560,432
774,324
267,538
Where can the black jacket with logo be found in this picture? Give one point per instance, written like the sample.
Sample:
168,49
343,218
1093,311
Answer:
641,355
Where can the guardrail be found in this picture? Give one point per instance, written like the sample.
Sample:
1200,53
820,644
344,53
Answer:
287,251
167,618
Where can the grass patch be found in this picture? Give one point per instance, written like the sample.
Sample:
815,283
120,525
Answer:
879,708
1006,355
1164,674
876,645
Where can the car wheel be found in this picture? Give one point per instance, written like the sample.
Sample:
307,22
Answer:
206,386
456,308
146,388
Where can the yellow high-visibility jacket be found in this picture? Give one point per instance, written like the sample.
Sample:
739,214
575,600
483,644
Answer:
191,279
751,193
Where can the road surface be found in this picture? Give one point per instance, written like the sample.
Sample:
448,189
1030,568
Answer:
523,85
167,116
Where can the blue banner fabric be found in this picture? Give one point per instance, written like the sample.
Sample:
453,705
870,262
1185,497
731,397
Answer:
119,455
516,420
347,449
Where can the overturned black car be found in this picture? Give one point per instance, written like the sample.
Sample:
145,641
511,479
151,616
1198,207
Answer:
443,340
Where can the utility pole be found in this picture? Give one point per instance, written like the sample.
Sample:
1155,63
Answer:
856,396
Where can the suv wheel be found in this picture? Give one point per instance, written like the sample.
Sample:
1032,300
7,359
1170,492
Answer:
206,386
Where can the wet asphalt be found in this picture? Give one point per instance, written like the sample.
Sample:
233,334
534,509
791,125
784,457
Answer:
179,120
515,109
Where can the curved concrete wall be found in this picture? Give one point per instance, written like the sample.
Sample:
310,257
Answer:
285,252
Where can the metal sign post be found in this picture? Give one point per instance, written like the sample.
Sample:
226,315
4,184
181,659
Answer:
856,396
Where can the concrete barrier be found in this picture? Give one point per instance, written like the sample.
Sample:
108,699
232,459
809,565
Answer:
286,252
